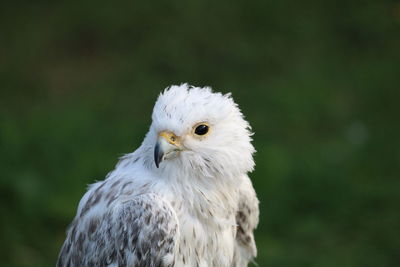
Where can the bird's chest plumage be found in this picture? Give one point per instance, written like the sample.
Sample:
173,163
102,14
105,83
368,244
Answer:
207,230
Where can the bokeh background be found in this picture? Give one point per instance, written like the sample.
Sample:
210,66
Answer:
318,81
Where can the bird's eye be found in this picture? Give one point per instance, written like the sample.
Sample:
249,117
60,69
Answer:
201,129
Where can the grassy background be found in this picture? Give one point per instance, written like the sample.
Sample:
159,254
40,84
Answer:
318,81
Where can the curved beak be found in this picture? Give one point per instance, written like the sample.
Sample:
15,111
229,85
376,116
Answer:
167,146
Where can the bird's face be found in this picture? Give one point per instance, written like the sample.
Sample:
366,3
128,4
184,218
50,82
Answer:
169,145
197,129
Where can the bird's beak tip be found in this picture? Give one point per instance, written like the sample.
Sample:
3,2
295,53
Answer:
165,149
158,154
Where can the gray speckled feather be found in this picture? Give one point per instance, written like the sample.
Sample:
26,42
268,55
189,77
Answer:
141,231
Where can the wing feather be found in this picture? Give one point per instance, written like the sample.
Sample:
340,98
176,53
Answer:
247,221
140,231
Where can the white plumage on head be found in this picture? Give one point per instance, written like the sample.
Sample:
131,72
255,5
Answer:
183,198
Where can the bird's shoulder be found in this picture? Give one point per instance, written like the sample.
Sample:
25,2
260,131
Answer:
138,230
246,220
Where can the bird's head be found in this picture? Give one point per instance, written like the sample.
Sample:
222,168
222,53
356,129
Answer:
196,129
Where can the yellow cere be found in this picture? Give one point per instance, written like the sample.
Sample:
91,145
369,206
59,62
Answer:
170,137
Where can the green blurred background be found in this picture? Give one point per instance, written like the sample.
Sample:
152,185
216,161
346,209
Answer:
318,81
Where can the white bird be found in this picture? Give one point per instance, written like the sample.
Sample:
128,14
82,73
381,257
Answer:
183,198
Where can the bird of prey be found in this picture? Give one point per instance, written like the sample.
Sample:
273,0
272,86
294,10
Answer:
183,198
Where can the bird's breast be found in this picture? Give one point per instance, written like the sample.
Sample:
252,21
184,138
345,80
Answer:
207,234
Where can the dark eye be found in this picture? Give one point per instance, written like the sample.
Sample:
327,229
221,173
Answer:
202,129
